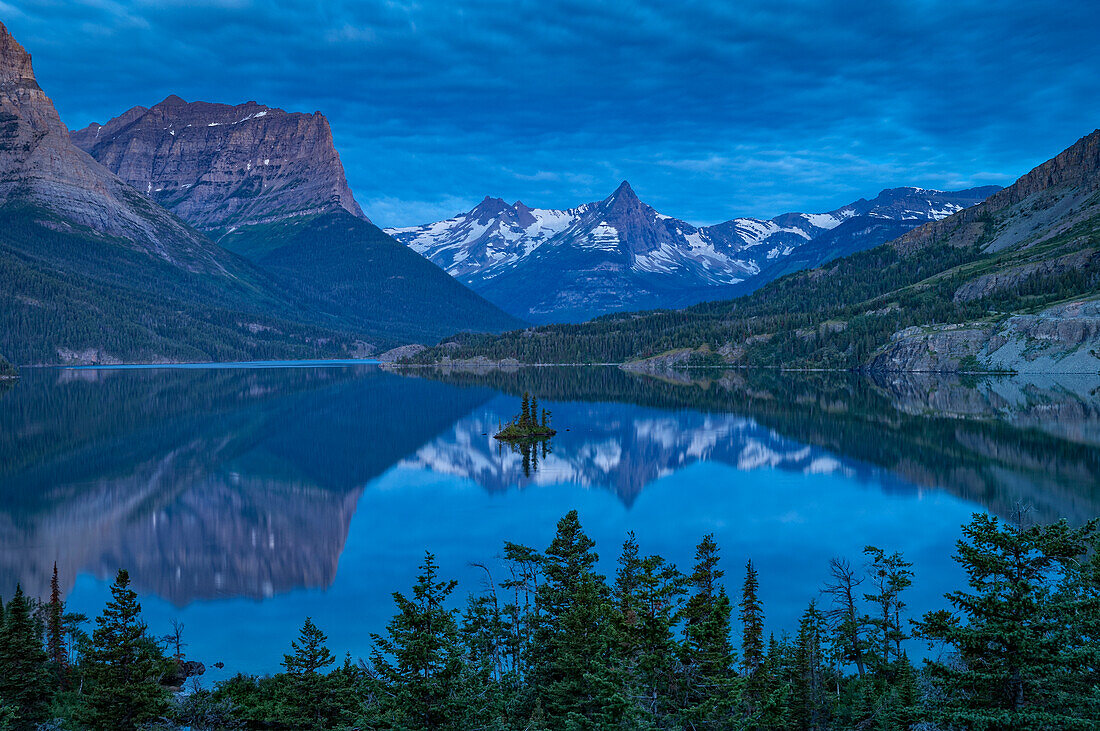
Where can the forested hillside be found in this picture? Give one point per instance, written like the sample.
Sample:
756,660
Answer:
1025,249
344,265
71,294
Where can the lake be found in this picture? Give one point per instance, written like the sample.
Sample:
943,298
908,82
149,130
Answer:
242,499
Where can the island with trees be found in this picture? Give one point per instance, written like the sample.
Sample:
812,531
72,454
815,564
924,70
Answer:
529,425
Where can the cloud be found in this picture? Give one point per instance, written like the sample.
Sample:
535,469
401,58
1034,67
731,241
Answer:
711,109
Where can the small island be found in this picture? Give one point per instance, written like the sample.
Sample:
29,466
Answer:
529,425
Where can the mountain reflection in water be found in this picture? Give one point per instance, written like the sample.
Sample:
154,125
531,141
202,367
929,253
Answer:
210,485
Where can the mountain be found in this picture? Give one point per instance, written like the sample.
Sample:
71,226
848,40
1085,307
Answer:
1012,283
219,166
621,254
269,185
93,271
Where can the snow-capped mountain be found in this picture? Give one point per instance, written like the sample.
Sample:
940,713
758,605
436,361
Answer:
548,265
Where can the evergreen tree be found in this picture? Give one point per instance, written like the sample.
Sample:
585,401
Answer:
123,665
647,594
419,661
573,674
1016,644
890,575
809,699
55,632
707,653
306,701
752,623
24,677
525,409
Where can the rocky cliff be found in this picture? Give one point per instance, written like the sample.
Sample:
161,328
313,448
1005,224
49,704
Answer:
39,166
219,166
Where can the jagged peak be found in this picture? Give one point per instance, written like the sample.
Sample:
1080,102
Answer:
15,62
624,191
172,100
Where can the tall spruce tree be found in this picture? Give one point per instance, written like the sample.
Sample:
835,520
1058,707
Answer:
419,660
809,696
25,685
306,698
123,666
752,623
707,652
573,672
55,630
647,594
1016,645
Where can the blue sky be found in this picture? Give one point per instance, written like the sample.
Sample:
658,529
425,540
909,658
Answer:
711,108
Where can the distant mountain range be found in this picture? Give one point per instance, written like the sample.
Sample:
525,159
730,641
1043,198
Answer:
547,265
1012,283
94,271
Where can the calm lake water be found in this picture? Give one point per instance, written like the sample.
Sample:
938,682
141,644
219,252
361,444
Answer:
243,499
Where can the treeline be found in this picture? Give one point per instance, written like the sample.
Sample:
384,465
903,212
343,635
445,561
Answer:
553,644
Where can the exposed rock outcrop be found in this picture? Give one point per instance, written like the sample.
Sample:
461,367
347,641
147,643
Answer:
219,166
1060,339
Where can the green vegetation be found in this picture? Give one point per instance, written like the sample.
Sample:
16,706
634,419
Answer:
321,288
836,316
558,645
68,288
528,425
6,369
372,284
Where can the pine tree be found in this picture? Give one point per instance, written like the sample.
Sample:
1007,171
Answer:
24,676
752,623
419,661
890,576
1017,645
123,665
309,653
808,701
707,653
647,595
525,410
306,702
573,674
55,632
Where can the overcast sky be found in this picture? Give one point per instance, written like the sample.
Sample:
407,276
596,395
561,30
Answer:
710,108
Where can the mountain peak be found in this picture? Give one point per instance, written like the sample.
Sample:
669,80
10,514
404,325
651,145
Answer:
624,191
490,208
219,166
15,63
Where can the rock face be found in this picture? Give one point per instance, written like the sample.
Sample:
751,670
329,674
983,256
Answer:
621,254
219,166
1060,339
39,166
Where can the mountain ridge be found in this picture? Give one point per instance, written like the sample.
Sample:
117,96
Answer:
620,253
1012,284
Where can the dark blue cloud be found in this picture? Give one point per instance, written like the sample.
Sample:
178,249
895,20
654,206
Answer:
710,108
